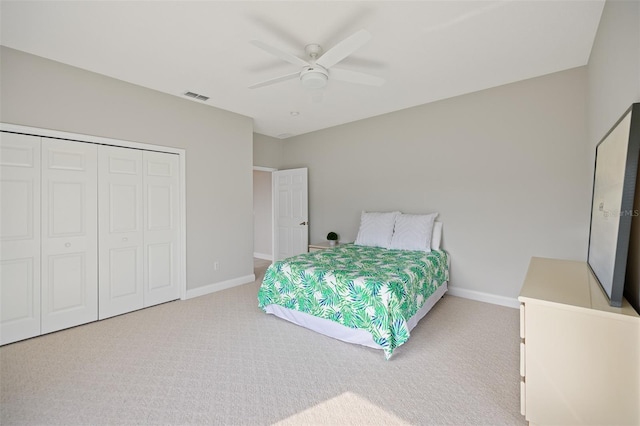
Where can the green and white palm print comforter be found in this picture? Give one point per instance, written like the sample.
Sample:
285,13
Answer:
370,288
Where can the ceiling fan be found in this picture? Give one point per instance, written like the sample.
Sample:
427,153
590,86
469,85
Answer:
317,71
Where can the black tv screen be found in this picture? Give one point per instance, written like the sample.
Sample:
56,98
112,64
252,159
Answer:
612,208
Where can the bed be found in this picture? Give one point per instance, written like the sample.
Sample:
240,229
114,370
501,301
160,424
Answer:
364,293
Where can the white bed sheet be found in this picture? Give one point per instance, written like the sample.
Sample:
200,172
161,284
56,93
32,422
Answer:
346,334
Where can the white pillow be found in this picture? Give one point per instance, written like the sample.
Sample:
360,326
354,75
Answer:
436,236
413,232
376,229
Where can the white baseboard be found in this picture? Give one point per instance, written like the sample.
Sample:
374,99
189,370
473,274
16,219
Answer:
484,297
223,285
263,256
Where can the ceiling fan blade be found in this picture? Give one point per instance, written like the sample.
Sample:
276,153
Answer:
343,49
276,80
355,77
292,59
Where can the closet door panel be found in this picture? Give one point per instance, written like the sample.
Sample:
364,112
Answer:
66,274
69,234
121,231
161,235
19,237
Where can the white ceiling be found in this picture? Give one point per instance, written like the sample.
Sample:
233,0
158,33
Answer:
425,50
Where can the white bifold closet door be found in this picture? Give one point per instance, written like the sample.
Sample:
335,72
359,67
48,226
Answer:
162,226
121,230
69,273
19,237
138,229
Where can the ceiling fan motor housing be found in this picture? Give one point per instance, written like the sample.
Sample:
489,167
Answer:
314,77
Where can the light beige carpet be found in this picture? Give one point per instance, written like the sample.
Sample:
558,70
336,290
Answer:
218,359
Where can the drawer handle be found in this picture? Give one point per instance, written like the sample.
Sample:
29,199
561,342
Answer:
67,245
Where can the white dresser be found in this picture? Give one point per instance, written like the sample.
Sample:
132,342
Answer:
579,357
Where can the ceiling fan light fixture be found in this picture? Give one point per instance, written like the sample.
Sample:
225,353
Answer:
314,78
315,74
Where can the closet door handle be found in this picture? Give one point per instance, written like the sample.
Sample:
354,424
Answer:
67,244
304,223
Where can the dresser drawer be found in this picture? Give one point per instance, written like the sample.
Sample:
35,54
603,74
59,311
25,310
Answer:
523,399
522,320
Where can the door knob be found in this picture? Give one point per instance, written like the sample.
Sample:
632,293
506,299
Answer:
304,223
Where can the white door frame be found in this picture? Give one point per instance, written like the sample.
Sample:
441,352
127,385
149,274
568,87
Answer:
273,207
35,131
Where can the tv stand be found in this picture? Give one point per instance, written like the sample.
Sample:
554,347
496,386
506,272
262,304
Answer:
579,357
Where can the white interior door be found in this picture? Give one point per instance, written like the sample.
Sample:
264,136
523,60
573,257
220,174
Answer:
69,234
291,216
19,237
121,230
161,230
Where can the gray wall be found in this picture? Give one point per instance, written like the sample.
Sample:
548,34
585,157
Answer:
267,151
42,93
262,215
505,168
512,166
509,169
613,72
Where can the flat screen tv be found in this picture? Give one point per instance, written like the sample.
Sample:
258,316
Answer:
612,207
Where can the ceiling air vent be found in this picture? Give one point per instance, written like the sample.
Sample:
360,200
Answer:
197,96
